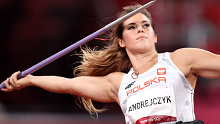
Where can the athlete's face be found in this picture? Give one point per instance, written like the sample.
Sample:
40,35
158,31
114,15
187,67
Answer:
138,33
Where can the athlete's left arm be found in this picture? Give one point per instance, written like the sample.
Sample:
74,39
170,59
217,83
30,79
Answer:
204,63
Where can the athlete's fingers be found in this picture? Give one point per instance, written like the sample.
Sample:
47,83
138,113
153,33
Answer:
8,86
13,79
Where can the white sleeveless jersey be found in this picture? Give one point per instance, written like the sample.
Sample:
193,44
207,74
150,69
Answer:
160,95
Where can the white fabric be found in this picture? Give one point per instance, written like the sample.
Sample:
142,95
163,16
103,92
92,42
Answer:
153,85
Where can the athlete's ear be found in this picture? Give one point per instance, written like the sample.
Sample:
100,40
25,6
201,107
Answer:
121,42
155,36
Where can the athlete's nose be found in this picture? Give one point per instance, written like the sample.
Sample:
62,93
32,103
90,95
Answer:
140,29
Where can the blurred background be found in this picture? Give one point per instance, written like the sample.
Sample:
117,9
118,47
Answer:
32,30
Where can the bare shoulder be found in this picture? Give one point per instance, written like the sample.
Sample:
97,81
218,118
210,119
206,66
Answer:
189,54
184,52
184,58
191,49
181,56
189,60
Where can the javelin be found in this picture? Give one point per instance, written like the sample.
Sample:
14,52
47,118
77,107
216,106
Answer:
79,43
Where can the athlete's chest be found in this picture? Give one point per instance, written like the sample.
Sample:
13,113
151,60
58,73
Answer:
158,77
151,94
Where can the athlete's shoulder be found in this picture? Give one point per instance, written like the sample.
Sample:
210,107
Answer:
187,53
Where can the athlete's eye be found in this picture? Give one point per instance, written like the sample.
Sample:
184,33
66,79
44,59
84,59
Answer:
146,25
131,27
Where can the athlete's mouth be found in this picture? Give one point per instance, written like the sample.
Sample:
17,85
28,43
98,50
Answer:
141,37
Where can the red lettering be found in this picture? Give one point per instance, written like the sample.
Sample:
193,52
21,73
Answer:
161,79
153,80
129,91
137,87
146,84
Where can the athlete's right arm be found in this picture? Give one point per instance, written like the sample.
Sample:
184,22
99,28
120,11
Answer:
96,88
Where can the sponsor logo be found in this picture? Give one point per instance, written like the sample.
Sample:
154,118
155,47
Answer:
129,85
156,119
161,71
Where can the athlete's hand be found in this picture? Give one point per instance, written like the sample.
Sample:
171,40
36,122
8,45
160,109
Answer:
12,83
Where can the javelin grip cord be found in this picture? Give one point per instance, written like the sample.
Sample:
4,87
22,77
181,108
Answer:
79,43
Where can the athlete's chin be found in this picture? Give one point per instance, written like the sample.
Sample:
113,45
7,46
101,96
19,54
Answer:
140,50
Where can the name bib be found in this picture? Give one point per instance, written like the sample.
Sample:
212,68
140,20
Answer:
153,105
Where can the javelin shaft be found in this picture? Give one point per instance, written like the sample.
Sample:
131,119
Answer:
79,43
125,17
